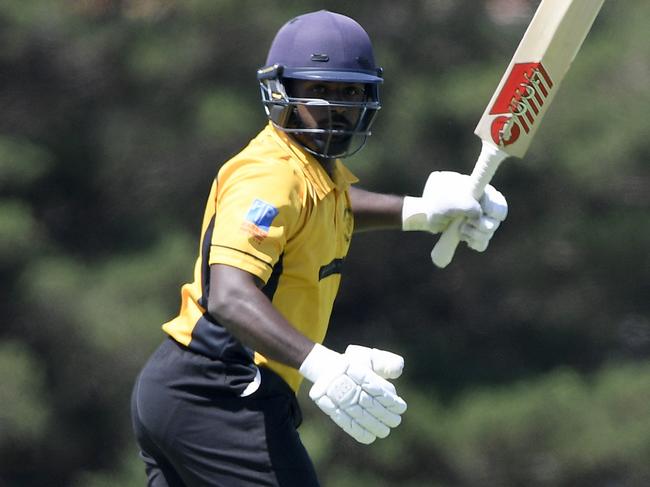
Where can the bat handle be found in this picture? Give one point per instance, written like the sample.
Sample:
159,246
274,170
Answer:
486,165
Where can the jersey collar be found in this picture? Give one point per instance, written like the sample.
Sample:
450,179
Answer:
314,172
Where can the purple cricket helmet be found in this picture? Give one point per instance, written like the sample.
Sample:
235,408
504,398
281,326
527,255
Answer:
324,45
328,47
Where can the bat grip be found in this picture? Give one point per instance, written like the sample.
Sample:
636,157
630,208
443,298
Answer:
486,165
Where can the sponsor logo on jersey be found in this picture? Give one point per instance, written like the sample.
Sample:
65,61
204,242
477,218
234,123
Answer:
259,218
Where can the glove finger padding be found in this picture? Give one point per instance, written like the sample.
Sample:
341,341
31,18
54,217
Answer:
379,411
343,403
363,404
351,427
356,398
493,203
334,395
378,388
477,233
369,418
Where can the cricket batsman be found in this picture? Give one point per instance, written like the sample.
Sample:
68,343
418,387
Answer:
215,405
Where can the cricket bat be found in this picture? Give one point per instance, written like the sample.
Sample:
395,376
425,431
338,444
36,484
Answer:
524,94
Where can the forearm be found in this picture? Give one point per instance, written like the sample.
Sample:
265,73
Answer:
246,312
375,211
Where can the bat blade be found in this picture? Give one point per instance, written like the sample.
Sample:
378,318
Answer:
536,70
507,127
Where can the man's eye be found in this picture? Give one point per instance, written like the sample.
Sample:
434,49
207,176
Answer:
319,90
354,92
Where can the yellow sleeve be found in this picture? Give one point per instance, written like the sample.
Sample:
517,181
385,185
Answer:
258,208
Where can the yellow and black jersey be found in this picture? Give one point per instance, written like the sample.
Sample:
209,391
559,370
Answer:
273,211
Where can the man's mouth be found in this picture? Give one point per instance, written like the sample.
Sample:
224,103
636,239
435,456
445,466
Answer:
339,125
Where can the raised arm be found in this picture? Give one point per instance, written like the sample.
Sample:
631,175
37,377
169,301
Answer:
446,196
375,211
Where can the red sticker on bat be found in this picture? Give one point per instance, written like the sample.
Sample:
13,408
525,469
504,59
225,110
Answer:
520,101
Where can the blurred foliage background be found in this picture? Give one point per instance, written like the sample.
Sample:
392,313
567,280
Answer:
528,365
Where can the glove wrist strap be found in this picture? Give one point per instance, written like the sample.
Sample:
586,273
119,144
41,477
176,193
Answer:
318,361
413,218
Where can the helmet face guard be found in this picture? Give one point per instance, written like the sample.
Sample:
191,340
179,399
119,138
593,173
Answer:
329,48
342,126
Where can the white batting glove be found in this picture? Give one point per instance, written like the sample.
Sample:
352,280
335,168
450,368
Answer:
385,364
477,232
363,404
448,195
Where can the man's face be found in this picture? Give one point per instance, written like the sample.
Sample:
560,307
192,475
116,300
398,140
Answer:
338,118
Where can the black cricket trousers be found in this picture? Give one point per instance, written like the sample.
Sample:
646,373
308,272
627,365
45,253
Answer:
194,429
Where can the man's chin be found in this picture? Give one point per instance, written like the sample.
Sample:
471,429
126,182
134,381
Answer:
338,144
324,145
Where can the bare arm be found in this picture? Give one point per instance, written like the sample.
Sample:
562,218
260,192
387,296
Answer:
237,302
374,211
